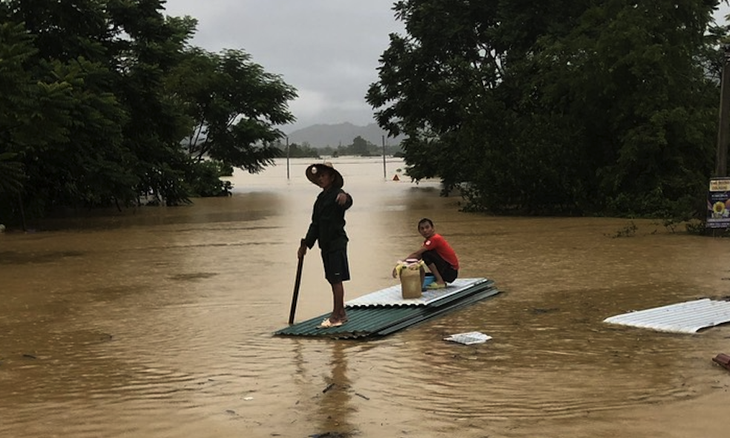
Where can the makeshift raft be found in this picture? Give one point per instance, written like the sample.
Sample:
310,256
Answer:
385,311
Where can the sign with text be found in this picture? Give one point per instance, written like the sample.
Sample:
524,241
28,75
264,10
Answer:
718,203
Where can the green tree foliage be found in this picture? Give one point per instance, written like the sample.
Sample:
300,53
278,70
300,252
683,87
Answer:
33,114
11,175
205,180
94,108
360,146
234,105
562,106
305,150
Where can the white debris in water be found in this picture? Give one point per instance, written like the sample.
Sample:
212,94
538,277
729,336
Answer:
468,338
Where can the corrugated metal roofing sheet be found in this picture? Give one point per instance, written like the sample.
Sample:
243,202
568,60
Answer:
688,317
430,312
371,321
392,296
362,322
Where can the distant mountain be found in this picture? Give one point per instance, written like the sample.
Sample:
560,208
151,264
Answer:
319,136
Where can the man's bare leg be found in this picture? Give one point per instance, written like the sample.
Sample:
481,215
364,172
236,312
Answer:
338,296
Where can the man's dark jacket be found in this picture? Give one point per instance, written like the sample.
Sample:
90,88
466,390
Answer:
328,221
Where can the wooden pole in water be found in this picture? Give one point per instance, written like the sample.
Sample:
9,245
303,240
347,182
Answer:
297,283
723,137
385,175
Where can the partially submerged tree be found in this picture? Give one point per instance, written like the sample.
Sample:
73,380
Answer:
562,106
234,105
90,112
34,114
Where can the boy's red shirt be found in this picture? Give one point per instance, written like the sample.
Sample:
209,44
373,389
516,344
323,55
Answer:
442,248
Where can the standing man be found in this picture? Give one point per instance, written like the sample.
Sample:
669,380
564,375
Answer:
328,227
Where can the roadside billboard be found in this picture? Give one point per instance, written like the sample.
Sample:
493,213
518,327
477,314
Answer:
718,203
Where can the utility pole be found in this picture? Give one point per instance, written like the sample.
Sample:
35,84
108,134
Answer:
723,132
384,174
287,157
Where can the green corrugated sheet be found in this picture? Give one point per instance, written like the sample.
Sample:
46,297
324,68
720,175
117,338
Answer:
375,321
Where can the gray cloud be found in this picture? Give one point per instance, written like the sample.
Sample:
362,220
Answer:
327,49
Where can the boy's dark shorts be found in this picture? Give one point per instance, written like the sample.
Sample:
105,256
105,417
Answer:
336,267
448,273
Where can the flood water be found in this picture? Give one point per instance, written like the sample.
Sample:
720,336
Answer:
158,322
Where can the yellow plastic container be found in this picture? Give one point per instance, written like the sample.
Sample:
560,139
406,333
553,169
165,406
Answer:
411,280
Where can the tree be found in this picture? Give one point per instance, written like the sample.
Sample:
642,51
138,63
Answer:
33,114
234,105
107,58
155,125
559,107
11,175
360,146
93,108
305,150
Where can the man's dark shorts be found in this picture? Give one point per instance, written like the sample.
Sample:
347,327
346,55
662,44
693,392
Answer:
448,273
336,268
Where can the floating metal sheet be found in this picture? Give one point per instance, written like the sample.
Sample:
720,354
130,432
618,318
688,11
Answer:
688,317
392,296
372,321
468,338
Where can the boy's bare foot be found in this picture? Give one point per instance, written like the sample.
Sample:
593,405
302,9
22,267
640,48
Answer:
332,322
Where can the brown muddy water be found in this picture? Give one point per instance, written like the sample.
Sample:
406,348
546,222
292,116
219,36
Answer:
158,323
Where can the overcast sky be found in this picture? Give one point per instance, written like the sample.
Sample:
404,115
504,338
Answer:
327,49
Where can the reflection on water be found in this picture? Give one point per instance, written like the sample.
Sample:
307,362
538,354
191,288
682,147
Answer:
334,406
157,322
